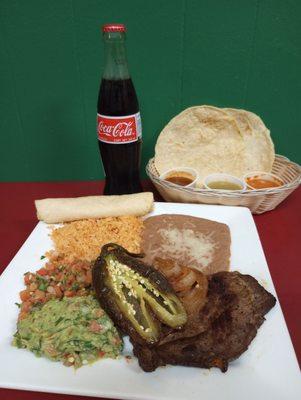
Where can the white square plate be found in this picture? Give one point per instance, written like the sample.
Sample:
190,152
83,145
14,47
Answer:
267,370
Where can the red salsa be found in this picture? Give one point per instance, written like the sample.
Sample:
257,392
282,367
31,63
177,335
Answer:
255,182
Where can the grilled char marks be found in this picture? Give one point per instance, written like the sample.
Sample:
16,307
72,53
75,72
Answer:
230,319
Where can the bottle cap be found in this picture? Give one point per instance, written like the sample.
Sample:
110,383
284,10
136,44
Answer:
113,28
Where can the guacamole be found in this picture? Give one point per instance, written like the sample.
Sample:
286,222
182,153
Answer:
73,330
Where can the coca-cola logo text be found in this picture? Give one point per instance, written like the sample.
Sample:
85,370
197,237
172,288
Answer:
122,129
118,129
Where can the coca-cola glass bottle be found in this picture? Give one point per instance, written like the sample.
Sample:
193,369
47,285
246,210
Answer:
118,117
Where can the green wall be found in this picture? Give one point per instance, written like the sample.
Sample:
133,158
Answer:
236,53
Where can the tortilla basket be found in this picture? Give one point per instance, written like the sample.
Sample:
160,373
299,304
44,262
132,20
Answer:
258,201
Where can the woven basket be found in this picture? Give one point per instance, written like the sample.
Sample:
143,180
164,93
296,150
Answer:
258,201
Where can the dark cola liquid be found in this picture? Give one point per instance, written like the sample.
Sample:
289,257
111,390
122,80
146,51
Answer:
121,162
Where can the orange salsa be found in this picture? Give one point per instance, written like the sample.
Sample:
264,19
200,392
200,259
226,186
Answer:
256,182
179,180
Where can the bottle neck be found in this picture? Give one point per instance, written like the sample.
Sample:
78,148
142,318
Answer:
116,66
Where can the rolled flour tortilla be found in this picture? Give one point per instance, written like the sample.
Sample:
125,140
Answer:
71,209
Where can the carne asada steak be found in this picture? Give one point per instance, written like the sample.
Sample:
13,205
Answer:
235,309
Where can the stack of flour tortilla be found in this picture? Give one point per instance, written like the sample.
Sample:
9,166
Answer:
215,140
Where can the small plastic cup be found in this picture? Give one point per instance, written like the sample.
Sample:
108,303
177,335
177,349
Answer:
185,172
220,177
266,176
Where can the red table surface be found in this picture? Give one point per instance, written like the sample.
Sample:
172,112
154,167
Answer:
279,231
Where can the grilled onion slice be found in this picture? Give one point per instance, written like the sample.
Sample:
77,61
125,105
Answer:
189,284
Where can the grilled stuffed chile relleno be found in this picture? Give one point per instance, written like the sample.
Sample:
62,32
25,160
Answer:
135,295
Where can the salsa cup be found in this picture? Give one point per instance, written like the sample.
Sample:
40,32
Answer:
263,176
220,177
185,172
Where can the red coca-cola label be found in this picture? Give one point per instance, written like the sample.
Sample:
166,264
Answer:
116,130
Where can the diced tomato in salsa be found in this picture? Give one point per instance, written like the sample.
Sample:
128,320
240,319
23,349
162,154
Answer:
55,281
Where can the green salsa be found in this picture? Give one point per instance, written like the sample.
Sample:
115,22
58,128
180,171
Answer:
224,185
73,330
